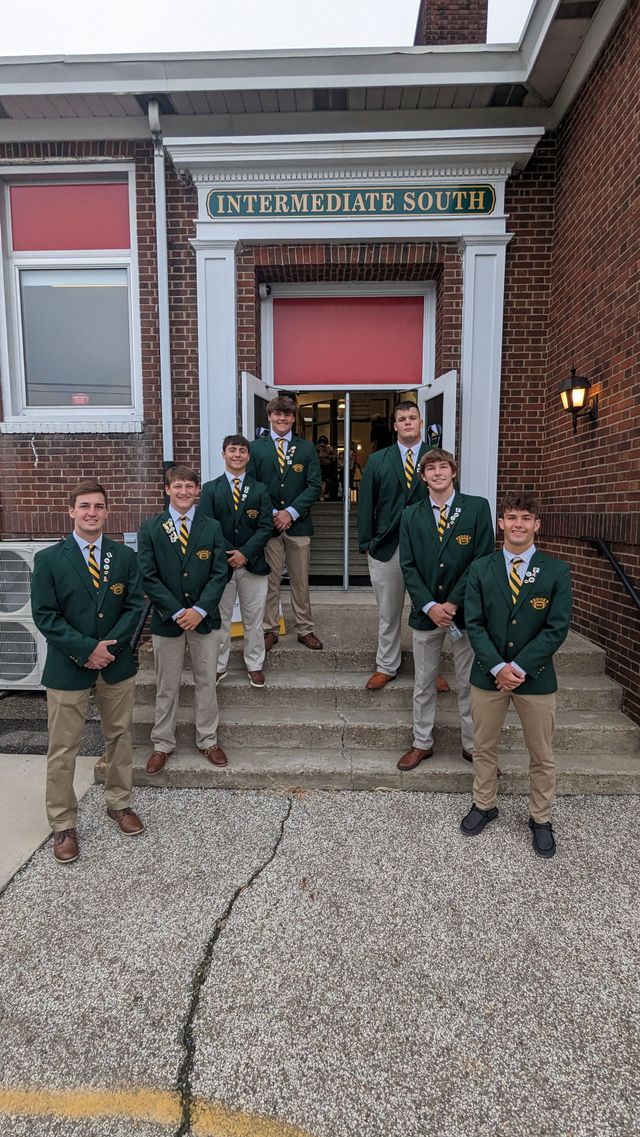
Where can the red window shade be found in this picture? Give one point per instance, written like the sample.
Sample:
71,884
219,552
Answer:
345,341
63,216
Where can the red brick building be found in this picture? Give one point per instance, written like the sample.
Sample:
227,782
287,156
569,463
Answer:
456,219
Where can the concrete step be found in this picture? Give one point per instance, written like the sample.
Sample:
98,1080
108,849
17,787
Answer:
347,690
586,732
300,769
352,647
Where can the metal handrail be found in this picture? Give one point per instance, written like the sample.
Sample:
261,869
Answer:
140,625
604,550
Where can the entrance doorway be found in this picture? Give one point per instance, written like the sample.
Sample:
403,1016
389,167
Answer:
346,426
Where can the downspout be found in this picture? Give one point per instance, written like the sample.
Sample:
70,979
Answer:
163,285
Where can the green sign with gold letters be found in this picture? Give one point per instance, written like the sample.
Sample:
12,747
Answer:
360,201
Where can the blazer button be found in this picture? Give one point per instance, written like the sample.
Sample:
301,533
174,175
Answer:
101,615
514,621
442,565
440,587
510,643
185,574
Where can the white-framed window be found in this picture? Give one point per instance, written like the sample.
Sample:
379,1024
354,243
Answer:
70,356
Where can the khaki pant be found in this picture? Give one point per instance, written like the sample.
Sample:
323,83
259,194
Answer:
427,648
168,655
67,715
295,551
251,590
537,714
387,582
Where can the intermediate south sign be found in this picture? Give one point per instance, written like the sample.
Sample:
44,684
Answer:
361,201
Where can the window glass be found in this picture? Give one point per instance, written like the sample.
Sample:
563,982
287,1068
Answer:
76,334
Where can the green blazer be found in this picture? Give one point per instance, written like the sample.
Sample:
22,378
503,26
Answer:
300,485
173,581
382,499
529,631
74,616
247,528
437,570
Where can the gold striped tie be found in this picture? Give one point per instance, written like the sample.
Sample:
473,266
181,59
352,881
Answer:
514,579
442,521
183,535
236,492
281,455
94,567
409,468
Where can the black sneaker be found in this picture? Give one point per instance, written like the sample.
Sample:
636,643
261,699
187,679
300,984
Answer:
476,819
543,841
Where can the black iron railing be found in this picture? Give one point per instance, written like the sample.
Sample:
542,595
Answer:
140,626
602,547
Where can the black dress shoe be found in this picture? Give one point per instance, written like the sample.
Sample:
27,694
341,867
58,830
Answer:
467,755
543,840
476,819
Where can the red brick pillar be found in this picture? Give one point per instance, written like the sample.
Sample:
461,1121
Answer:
451,21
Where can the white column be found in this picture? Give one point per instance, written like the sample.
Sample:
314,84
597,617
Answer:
483,268
217,354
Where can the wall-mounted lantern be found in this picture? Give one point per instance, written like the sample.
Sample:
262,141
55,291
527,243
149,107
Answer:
575,398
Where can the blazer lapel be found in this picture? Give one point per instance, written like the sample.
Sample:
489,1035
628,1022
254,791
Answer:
500,572
416,477
455,513
398,465
534,563
194,530
108,551
168,528
74,554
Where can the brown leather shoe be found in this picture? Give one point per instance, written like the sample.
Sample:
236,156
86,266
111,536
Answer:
256,678
127,821
215,756
310,640
441,685
156,761
378,680
413,758
65,846
270,640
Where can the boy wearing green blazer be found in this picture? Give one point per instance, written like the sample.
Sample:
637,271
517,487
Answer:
243,508
518,612
439,539
87,599
182,557
290,468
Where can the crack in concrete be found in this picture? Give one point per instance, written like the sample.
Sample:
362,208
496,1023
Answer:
200,976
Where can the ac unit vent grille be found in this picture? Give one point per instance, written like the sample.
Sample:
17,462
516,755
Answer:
15,581
18,651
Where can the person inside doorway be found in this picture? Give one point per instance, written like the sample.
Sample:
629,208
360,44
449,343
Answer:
289,467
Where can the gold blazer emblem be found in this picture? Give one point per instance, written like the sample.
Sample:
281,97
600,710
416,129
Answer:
298,467
539,603
253,513
203,554
117,588
463,538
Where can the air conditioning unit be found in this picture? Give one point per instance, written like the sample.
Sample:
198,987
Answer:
22,648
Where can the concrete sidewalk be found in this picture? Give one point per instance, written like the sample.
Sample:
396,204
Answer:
333,964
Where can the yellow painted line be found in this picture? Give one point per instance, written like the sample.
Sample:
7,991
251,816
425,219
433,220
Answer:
210,1119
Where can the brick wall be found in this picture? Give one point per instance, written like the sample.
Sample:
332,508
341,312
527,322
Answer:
591,480
451,21
38,473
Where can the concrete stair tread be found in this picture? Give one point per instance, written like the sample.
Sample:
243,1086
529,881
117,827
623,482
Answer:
272,768
282,680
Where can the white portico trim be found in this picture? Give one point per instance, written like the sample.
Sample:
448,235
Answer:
408,161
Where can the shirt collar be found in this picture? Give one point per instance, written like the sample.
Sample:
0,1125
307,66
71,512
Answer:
176,515
83,544
285,437
447,504
524,557
231,477
414,448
